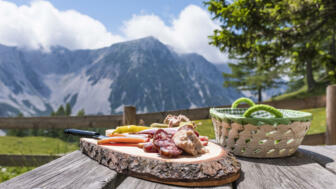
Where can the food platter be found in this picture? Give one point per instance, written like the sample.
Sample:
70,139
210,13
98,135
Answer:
174,153
217,167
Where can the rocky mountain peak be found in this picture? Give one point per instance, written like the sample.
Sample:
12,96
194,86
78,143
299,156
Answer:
142,72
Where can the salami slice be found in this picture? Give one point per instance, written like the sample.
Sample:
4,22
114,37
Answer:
162,138
170,151
165,144
149,147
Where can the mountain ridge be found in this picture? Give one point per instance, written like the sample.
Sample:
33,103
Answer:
143,72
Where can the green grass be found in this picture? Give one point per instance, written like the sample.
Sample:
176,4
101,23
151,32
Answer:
295,94
30,145
7,173
318,124
319,121
303,92
205,128
34,145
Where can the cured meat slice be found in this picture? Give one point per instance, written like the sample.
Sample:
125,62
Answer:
165,144
162,139
170,151
149,147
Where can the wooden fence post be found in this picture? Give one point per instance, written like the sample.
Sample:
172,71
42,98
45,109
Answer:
129,116
331,115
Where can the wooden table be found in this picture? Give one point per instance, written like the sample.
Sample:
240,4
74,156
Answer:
309,167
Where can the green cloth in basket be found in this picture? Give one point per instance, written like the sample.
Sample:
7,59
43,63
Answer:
259,117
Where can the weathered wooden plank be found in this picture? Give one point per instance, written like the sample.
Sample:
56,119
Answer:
331,115
314,139
129,115
26,160
74,170
324,155
158,117
61,122
132,182
298,171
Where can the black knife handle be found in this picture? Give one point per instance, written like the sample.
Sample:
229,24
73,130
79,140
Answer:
89,134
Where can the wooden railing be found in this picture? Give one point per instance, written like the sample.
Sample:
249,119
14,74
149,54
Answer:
131,117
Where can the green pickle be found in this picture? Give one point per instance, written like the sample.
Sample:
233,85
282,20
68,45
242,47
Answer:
159,125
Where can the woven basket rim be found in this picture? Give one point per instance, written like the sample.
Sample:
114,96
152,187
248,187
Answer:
289,116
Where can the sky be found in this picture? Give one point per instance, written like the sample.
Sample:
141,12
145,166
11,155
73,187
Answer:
88,24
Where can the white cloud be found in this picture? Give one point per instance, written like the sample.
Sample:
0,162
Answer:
40,24
188,33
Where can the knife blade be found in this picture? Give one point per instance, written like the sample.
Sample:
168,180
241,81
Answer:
83,133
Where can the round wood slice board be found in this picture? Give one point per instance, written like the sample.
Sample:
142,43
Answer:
217,167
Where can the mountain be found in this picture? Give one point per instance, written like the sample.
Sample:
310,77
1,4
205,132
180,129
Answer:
223,68
144,73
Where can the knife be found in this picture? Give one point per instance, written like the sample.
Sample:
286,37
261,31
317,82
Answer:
83,133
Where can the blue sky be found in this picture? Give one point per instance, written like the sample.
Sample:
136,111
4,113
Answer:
90,24
113,13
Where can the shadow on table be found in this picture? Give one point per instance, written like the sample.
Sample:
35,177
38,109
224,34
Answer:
319,158
300,157
240,179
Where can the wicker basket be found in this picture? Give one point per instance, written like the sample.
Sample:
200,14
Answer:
260,135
